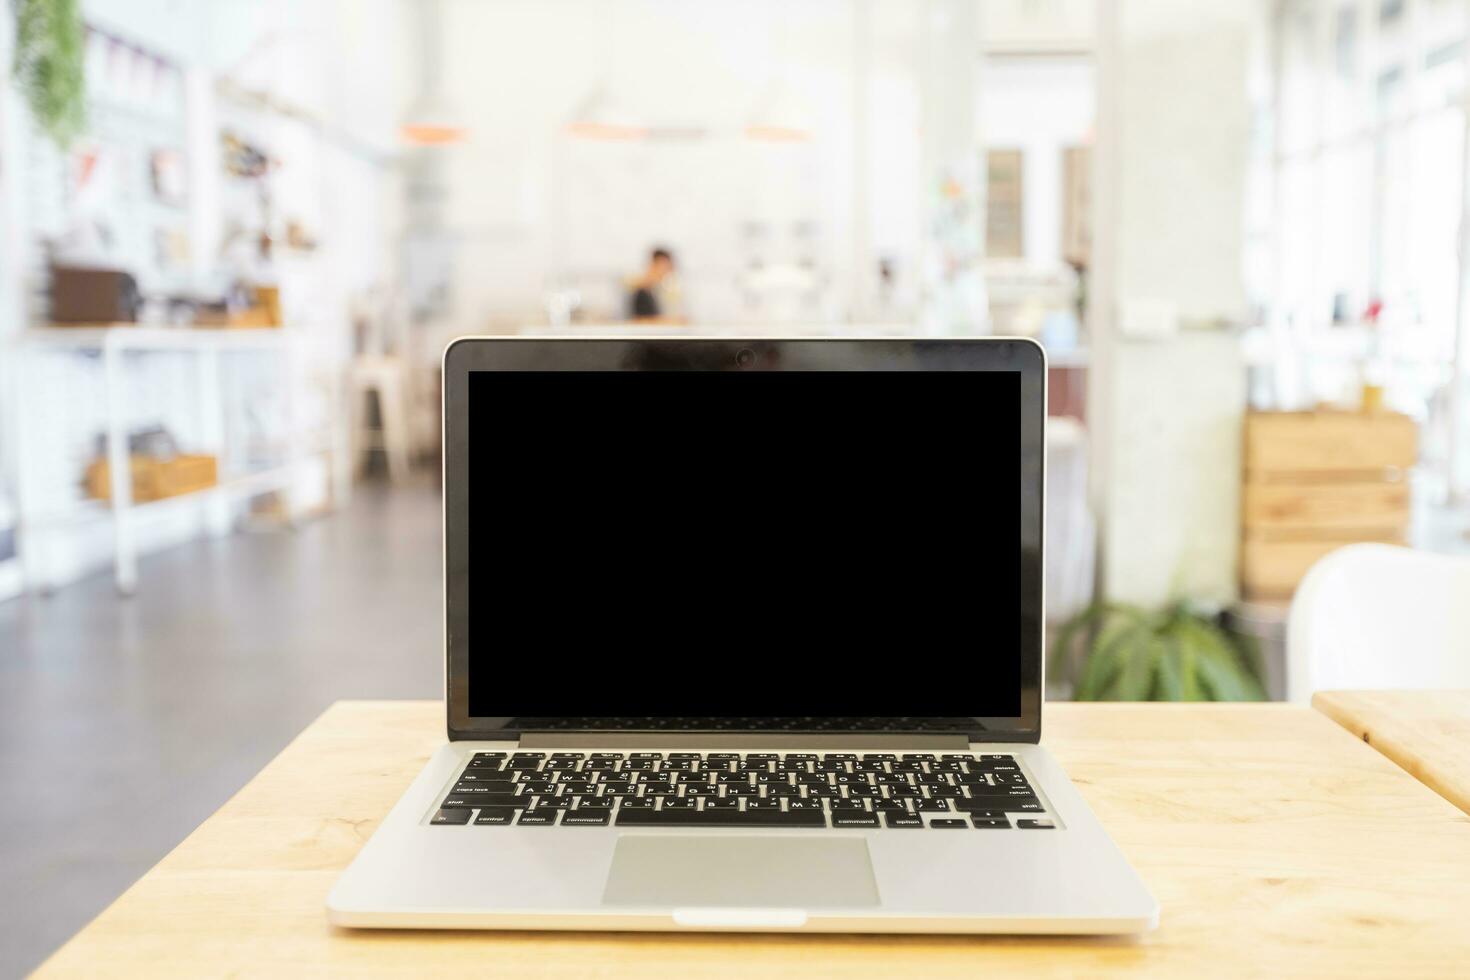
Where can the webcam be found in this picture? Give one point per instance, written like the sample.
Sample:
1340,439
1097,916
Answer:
745,358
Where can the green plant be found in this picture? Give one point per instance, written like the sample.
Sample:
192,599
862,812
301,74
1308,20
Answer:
49,52
1116,652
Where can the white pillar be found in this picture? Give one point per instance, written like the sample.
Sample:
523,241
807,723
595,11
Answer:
1459,427
1165,407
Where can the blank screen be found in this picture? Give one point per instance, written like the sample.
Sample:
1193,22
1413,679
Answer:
765,544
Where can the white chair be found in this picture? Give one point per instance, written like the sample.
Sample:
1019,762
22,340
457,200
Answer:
1380,616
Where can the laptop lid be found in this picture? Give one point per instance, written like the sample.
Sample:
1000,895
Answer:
793,536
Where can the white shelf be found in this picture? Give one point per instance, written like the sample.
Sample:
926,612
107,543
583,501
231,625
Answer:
113,344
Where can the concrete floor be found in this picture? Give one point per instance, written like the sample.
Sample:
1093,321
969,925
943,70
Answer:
124,723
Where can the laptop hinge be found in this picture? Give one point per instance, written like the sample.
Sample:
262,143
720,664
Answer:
731,740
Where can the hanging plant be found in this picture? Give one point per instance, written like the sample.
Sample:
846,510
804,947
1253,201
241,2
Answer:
49,52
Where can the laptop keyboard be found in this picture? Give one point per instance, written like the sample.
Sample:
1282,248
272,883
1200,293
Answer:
752,789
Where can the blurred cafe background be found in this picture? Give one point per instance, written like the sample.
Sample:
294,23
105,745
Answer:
236,235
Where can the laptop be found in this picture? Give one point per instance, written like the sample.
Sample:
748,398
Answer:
743,635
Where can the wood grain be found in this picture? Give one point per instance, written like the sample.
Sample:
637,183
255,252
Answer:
1325,507
1276,844
1427,733
1333,442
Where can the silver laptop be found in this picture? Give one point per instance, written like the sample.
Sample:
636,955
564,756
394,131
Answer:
743,635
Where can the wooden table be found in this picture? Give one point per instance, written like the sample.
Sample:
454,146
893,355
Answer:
1425,732
1275,843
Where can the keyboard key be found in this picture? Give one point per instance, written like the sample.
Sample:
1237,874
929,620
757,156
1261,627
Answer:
450,816
595,803
1011,804
804,804
1036,824
918,757
839,757
472,789
901,820
646,755
581,818
721,818
890,806
680,803
722,803
879,757
854,818
684,755
989,824
499,817
488,755
932,806
494,799
637,803
950,824
763,804
607,755
486,776
553,802
537,818
529,755
566,755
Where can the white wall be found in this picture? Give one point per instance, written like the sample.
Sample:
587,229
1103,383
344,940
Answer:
533,207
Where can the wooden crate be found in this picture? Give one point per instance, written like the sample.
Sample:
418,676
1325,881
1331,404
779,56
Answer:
1314,482
156,479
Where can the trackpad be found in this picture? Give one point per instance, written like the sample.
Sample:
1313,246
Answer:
741,872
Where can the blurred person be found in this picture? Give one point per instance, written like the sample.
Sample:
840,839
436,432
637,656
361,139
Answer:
647,293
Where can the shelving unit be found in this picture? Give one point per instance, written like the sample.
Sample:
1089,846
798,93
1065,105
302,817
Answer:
114,345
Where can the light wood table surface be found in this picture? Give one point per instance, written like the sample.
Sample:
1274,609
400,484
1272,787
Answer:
1276,844
1425,732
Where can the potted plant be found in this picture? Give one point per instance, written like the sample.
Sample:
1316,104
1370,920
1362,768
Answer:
1120,652
49,54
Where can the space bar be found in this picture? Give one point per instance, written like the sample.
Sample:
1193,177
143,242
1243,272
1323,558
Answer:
721,818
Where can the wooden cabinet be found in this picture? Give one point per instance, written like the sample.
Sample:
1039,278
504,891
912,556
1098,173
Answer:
1315,481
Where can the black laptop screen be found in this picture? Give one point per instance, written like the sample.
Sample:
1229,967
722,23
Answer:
646,546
